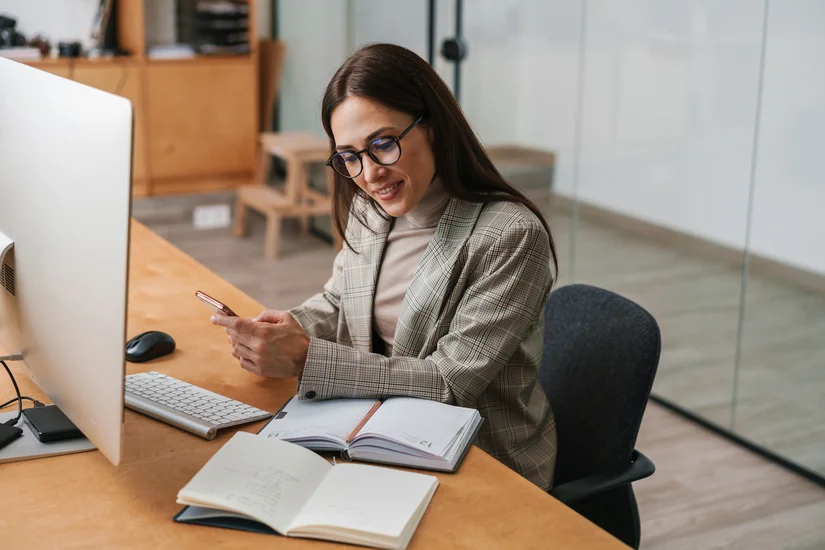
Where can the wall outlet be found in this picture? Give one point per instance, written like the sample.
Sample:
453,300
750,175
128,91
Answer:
213,216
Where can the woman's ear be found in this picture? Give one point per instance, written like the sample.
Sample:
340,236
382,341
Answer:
430,135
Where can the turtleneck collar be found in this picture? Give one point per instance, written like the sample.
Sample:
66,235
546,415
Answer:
429,209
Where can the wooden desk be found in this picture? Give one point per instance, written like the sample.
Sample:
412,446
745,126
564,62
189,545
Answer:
82,501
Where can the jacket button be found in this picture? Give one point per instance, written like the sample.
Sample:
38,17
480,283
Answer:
310,395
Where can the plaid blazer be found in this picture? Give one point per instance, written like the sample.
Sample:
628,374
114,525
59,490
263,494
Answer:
469,332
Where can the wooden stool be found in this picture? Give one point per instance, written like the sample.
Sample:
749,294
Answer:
272,204
299,150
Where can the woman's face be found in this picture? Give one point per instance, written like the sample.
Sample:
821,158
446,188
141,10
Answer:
356,123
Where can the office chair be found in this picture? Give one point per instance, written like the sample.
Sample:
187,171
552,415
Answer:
600,356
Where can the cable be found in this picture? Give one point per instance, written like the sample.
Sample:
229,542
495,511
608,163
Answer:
124,77
25,398
19,397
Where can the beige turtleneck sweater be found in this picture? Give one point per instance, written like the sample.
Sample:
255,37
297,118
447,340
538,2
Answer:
406,243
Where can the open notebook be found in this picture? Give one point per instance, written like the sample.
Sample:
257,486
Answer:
403,431
266,485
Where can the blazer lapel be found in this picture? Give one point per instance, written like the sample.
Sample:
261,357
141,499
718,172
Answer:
430,285
362,276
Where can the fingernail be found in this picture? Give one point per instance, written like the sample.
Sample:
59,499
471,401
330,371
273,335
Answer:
212,318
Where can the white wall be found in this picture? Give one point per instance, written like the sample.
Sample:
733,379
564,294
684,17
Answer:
401,22
316,37
669,109
519,83
789,193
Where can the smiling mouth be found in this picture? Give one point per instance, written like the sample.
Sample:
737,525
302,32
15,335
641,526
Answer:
384,191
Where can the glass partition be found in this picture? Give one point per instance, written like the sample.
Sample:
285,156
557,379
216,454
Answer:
780,397
520,91
673,145
669,98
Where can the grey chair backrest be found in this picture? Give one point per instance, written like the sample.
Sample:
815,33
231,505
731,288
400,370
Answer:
601,352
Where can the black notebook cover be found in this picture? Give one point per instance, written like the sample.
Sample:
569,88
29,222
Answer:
228,523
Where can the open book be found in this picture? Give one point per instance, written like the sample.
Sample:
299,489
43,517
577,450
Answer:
255,483
403,431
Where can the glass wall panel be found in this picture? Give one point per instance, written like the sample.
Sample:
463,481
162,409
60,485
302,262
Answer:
780,399
669,102
519,90
662,147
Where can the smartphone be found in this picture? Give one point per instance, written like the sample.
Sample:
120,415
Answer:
214,304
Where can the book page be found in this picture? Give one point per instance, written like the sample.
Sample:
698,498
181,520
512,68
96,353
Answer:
265,479
368,500
425,425
332,419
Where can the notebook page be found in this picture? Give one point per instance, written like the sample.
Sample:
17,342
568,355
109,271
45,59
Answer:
265,479
368,502
333,419
422,424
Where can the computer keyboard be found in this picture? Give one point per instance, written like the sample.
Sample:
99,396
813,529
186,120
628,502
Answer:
186,406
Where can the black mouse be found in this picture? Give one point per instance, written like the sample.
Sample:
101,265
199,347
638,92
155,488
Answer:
149,345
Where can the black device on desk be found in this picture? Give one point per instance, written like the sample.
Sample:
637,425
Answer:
50,424
149,345
8,434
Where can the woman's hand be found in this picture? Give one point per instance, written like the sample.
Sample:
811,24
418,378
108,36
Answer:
272,344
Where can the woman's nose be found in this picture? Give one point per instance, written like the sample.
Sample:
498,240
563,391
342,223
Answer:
373,172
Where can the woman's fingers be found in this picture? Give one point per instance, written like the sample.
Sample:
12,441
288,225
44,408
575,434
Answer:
242,352
238,324
248,365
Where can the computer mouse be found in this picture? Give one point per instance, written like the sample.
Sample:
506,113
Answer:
149,345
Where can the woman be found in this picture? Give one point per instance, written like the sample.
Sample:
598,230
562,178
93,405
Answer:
439,290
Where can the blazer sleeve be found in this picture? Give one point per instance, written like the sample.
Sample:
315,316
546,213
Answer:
318,316
500,306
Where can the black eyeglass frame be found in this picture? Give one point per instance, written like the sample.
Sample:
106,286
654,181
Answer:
397,139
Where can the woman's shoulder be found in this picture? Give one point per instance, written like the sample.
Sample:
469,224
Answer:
509,233
499,217
505,227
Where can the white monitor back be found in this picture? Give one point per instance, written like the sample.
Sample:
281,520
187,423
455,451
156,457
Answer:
65,198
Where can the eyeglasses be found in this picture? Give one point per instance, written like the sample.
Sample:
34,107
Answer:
384,151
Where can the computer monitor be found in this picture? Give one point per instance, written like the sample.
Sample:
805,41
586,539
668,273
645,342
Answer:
65,198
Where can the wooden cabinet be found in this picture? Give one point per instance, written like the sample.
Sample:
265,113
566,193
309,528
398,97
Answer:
196,120
203,117
55,68
123,79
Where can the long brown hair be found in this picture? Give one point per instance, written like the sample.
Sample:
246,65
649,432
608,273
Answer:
398,78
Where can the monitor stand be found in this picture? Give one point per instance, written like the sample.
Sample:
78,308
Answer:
27,446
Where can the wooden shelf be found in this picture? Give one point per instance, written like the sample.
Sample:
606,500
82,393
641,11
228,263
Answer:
203,60
82,61
135,60
196,119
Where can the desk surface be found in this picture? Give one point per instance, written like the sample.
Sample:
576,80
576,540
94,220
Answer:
83,501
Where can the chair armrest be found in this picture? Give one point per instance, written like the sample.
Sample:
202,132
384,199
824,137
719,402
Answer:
640,467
